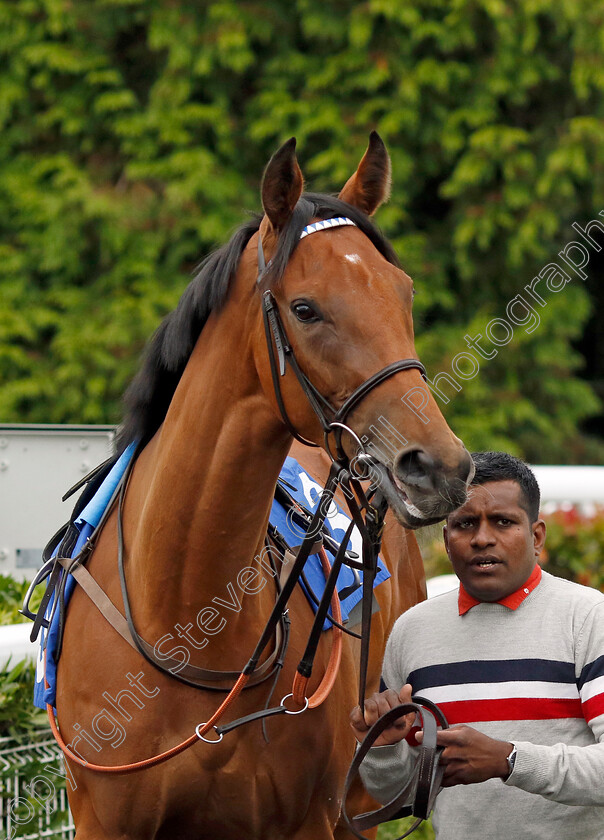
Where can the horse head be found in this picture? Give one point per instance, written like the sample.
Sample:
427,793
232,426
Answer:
338,308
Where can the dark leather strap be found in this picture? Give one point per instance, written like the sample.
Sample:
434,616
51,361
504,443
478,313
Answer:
201,678
366,613
39,619
296,570
371,532
369,384
102,468
424,783
260,715
272,325
306,663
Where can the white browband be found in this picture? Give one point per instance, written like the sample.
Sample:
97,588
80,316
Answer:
326,224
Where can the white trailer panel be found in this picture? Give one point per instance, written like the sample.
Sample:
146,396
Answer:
38,464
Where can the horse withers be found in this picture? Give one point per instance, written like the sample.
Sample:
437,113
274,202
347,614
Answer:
213,421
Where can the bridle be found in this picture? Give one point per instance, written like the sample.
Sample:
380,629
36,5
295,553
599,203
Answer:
367,513
281,353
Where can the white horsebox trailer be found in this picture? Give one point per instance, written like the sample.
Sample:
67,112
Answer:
38,464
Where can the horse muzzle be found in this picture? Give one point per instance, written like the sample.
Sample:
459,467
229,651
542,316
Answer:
419,490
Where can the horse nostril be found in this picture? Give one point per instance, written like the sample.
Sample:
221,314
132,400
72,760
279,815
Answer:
416,469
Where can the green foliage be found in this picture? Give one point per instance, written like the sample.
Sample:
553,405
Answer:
575,547
29,776
133,134
12,593
18,715
392,830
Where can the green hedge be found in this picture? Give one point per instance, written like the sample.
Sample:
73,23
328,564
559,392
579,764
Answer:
389,831
12,593
574,548
17,714
134,134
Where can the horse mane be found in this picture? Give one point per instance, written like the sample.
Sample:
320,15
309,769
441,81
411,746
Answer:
148,397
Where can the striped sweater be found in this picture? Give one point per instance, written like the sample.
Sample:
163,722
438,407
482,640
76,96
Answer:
533,676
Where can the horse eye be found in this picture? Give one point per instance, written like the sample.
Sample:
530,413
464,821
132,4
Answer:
304,312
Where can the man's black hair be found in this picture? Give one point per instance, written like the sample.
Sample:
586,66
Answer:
499,466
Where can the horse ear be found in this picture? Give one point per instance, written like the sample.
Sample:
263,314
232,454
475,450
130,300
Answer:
282,184
370,185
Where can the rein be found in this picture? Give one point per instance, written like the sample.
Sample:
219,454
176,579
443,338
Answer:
367,515
424,784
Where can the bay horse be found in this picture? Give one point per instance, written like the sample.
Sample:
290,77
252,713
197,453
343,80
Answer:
212,439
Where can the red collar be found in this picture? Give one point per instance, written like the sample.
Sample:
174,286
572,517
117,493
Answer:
466,602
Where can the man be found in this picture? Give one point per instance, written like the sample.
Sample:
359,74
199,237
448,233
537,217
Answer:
515,660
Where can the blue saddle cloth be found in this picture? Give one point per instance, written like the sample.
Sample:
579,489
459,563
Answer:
307,492
301,487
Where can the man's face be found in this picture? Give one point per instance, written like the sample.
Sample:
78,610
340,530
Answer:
490,541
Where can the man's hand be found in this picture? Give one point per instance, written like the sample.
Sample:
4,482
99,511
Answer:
377,705
469,756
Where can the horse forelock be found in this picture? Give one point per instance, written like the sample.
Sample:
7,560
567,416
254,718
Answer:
318,206
149,395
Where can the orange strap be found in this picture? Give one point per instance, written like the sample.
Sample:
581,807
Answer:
329,677
157,759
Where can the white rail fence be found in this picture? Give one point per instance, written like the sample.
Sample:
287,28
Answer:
33,800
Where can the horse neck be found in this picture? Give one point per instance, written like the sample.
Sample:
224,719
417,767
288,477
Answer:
201,494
